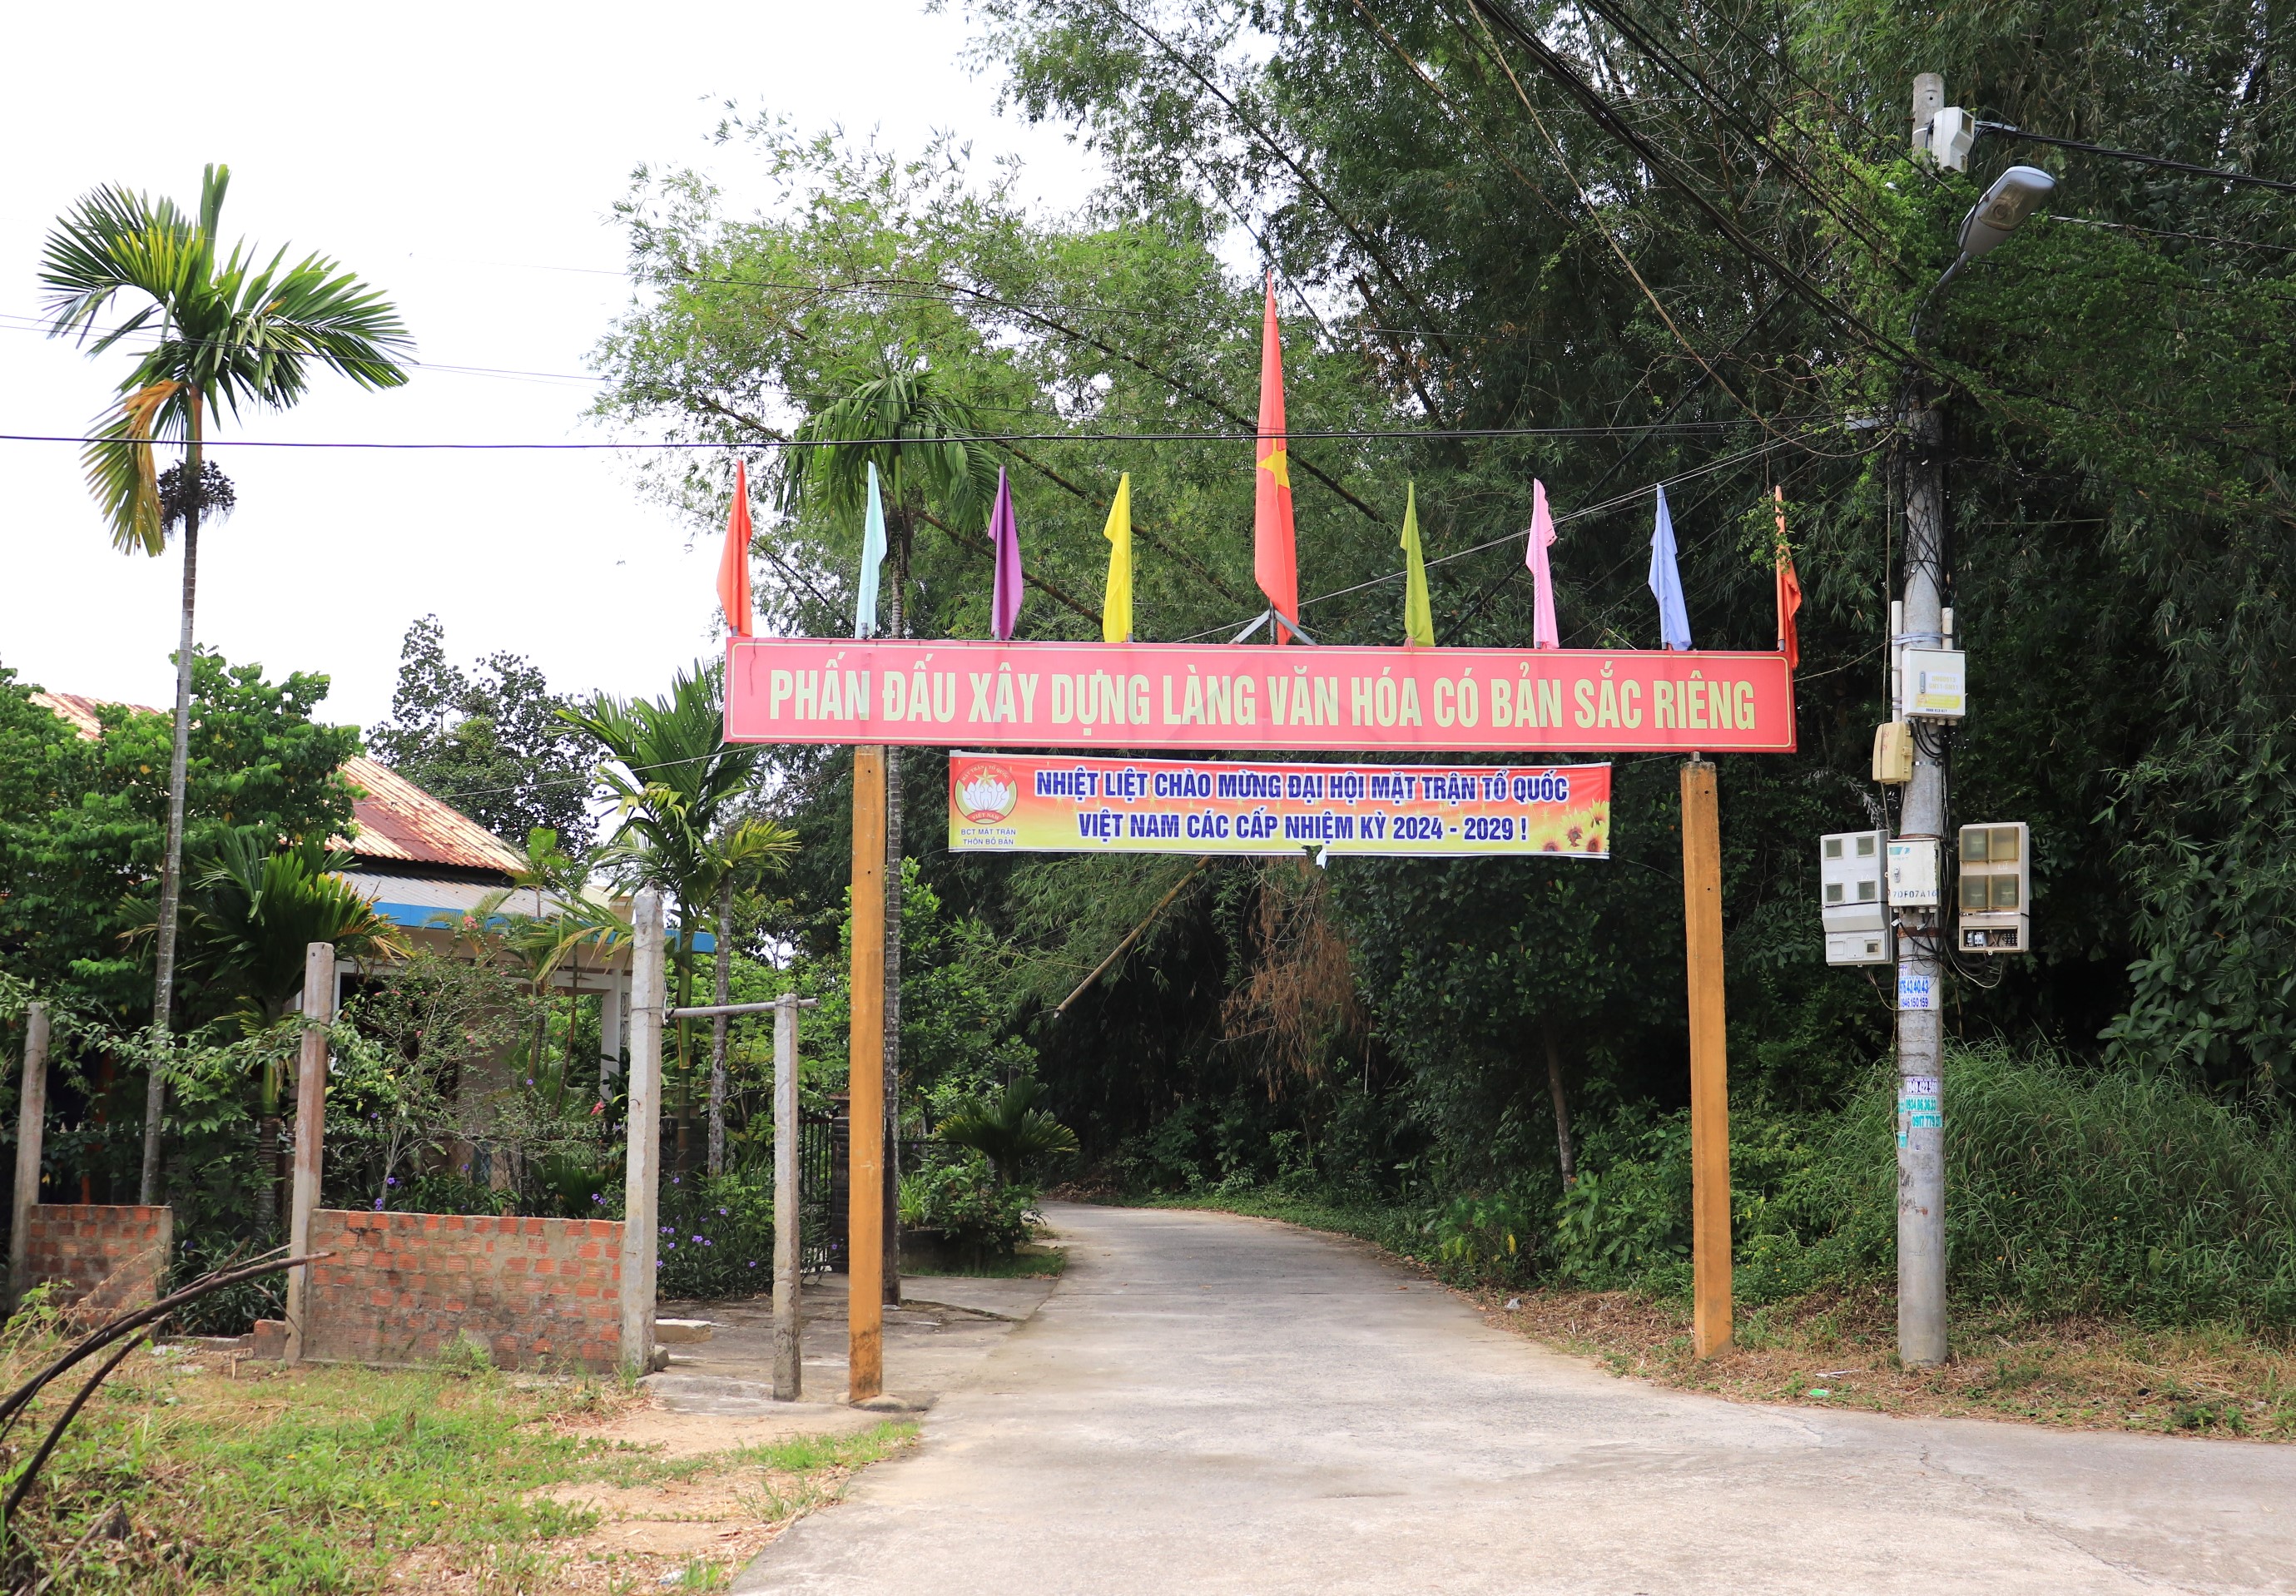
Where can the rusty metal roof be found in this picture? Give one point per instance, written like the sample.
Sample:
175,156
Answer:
396,822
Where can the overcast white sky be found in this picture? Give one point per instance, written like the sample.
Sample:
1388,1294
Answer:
466,158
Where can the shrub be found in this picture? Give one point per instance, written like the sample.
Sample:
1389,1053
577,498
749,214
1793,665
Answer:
1483,1239
968,1211
716,1237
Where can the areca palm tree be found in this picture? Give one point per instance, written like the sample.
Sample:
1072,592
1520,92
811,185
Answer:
898,414
742,851
214,333
677,786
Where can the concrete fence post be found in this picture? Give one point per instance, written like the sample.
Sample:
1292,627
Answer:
31,1125
310,1131
789,1257
641,1189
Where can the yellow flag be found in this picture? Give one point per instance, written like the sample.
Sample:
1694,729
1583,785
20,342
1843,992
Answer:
1418,616
1116,607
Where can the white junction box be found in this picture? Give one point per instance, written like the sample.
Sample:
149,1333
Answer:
1936,684
1996,888
1913,872
1850,871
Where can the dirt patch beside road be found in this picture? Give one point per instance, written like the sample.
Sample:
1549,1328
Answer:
1839,1351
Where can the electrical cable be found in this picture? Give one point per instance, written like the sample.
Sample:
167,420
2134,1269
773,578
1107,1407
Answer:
1726,108
2008,130
2198,238
1365,434
1613,120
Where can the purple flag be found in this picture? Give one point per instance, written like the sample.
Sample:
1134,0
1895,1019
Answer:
1004,538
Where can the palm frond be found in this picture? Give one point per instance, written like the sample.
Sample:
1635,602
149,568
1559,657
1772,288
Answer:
900,416
120,471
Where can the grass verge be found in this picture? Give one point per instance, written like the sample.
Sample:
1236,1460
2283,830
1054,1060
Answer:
1837,1349
325,1479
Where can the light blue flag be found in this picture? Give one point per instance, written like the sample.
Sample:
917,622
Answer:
873,555
1666,581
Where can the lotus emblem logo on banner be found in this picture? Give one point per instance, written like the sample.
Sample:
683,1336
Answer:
987,793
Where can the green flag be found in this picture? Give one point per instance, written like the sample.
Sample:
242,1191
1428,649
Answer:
1418,617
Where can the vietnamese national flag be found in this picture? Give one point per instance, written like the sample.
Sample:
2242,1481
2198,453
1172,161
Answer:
1275,559
734,566
1789,590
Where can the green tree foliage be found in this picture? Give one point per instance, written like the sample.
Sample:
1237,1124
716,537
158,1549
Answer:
1595,246
488,741
84,823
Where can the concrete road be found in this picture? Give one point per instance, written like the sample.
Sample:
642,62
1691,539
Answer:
1210,1404
935,1344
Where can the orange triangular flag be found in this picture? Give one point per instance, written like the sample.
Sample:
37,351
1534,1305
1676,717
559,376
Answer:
1788,589
1274,559
733,567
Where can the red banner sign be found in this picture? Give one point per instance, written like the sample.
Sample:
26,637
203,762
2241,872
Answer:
1215,696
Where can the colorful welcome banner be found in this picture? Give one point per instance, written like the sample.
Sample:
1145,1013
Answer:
1029,803
1252,699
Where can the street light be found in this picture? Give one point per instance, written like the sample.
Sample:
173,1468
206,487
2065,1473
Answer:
1923,621
2011,201
2015,195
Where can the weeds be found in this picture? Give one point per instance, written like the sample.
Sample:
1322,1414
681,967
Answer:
337,1479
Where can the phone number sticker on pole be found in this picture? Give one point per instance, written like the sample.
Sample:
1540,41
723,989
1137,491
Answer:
1007,802
832,691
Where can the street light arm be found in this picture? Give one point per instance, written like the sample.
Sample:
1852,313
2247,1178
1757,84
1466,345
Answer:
1937,287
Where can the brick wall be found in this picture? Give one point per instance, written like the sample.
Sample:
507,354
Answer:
403,1288
105,1257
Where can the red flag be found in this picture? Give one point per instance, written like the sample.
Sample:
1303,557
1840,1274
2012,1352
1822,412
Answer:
1788,589
1274,560
733,567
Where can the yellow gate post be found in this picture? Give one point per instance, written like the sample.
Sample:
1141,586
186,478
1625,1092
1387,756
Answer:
1709,1066
865,1258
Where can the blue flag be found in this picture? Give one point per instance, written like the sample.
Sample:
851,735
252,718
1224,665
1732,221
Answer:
873,555
1666,581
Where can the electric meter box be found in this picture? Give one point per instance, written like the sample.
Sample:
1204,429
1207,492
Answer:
1850,873
1936,684
1995,889
1913,872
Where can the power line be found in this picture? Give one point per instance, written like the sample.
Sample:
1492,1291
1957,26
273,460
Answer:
2198,238
1368,434
1613,120
2005,130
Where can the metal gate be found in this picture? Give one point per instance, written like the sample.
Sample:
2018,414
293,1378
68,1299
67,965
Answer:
821,1227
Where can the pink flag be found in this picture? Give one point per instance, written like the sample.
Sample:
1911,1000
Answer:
1004,538
1543,632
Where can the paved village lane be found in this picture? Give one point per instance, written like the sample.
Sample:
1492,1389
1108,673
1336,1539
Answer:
1210,1404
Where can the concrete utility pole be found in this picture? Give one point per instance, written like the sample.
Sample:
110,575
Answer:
31,1126
1922,812
1921,932
310,1131
642,1170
